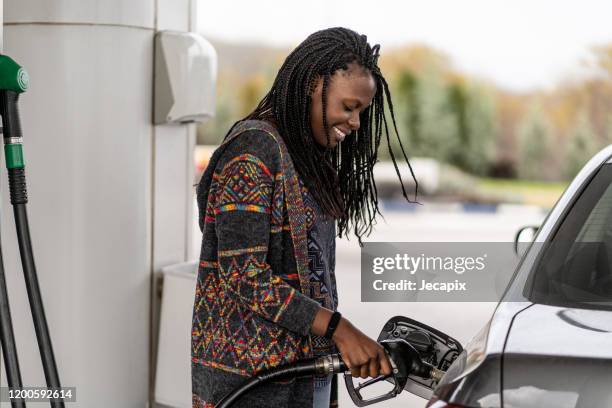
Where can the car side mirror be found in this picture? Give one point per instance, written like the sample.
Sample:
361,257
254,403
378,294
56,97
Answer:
523,238
434,347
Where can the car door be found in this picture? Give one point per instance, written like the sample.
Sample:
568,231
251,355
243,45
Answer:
559,350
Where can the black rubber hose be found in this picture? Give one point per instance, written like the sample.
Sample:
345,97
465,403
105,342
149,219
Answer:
7,337
9,110
300,368
36,303
17,186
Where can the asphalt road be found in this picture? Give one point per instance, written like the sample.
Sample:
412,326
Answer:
459,320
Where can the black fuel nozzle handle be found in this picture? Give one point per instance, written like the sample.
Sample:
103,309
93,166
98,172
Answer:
409,362
9,109
14,79
405,360
13,146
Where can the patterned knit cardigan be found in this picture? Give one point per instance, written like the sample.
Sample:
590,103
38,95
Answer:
251,312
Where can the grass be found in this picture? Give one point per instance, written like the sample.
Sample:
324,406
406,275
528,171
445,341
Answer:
543,194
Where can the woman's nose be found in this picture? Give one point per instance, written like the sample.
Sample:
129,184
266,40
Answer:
354,121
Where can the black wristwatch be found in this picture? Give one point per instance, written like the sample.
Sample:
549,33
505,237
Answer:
333,325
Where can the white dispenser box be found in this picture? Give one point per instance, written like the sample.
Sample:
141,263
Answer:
185,78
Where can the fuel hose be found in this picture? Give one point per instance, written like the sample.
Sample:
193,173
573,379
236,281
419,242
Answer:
322,366
15,81
9,349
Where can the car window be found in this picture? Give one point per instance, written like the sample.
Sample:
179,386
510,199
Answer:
575,269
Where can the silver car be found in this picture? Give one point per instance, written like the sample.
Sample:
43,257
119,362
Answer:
549,341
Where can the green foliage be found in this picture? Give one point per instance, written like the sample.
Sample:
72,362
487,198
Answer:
481,121
410,113
459,140
452,118
534,146
581,146
453,122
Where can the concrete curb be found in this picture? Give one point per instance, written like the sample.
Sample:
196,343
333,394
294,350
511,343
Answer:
402,206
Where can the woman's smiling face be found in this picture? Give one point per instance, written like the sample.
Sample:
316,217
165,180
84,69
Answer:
349,93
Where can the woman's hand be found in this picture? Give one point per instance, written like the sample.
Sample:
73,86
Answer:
362,355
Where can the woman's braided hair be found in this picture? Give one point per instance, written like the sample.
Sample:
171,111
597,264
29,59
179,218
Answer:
340,179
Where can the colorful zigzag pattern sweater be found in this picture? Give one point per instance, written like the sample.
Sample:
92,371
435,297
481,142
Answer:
252,310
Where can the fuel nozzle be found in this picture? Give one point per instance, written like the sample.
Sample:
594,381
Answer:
405,360
12,76
14,80
329,364
409,362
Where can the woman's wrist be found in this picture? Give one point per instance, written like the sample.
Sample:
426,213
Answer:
321,321
333,324
340,332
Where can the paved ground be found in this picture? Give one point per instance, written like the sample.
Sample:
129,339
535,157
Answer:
460,320
430,223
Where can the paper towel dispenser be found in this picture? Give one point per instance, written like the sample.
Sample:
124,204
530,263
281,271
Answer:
185,78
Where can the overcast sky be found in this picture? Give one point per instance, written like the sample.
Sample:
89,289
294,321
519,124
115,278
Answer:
519,44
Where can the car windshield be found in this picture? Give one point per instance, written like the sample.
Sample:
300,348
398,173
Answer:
575,268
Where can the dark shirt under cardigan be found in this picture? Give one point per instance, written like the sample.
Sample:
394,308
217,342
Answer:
266,264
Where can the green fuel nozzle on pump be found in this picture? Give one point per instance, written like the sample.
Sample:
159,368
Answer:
14,80
12,76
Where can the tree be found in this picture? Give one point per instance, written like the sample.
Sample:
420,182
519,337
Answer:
416,75
472,133
581,146
438,123
481,124
534,146
460,140
410,111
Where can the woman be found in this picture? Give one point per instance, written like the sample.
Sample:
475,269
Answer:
269,202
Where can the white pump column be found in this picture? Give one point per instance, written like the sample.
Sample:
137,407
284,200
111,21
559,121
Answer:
1,22
110,193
